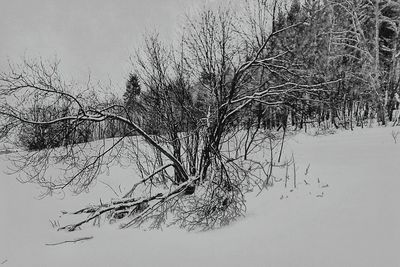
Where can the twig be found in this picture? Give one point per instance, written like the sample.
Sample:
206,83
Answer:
146,179
283,139
307,169
4,261
394,135
109,186
294,172
70,241
287,174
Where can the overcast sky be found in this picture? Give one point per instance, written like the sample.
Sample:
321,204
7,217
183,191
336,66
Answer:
86,35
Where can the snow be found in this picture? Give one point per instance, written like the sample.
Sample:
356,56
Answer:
347,214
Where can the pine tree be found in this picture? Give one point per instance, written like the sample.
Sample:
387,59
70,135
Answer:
132,92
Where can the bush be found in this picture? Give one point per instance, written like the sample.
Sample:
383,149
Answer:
37,137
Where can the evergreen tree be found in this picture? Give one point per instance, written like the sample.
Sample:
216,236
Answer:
132,92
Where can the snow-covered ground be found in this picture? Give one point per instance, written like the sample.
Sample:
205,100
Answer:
344,211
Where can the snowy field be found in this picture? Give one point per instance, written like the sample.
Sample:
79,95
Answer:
345,211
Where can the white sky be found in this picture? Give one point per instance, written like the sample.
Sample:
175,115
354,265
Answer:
95,36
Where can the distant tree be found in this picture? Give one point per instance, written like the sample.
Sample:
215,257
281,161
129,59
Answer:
294,13
132,92
368,33
37,136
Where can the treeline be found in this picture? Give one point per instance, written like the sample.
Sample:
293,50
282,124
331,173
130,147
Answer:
352,42
64,133
350,48
321,63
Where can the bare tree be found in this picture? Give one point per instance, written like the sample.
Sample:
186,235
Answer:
198,95
366,35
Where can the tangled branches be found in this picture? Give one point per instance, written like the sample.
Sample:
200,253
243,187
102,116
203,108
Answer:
197,135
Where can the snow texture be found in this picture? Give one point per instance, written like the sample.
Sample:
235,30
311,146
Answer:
343,212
